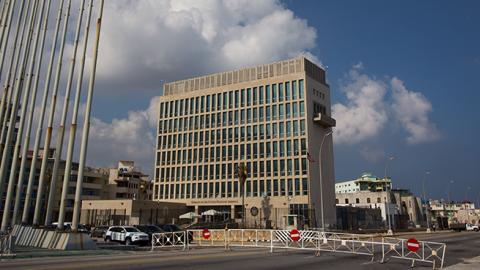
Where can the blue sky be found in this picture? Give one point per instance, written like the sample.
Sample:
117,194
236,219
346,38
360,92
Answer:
432,47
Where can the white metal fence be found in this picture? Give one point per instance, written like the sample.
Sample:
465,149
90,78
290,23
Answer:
169,239
317,241
428,252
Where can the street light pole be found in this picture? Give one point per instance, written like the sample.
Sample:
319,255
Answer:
425,201
321,180
387,205
449,193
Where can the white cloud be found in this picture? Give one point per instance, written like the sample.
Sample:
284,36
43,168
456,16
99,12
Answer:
131,138
364,114
373,104
144,42
412,109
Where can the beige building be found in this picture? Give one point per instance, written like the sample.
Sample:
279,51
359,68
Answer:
401,207
129,212
128,182
271,117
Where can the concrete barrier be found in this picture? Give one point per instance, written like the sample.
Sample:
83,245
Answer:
42,238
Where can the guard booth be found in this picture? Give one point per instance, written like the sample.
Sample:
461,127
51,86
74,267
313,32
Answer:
290,221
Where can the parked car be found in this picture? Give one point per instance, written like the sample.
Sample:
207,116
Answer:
464,227
99,232
471,227
126,234
149,229
67,226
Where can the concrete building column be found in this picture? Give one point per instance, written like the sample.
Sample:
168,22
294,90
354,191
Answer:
196,213
232,211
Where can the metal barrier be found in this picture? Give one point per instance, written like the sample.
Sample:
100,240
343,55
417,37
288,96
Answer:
7,244
317,241
429,252
217,238
169,239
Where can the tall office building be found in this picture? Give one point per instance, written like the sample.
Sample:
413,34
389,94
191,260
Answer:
271,117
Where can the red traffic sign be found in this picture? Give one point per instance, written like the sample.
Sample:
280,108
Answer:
206,234
413,245
295,235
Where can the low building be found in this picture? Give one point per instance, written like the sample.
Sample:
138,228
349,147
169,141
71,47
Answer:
94,185
366,182
399,207
128,182
130,212
356,218
440,210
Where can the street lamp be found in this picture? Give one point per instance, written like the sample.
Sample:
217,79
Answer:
387,206
449,192
320,173
425,201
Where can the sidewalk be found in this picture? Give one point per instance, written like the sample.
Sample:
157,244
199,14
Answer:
468,264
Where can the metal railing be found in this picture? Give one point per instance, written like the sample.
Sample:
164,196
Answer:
7,245
169,239
428,252
317,241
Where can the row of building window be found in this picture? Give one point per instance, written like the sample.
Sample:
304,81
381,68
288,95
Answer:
257,169
237,117
233,99
238,134
357,200
231,189
287,148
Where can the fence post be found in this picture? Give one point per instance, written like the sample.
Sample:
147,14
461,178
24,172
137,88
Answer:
271,241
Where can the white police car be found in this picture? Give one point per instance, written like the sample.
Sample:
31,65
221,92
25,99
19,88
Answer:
126,234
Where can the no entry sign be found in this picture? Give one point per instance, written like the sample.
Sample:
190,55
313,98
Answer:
206,234
295,235
413,245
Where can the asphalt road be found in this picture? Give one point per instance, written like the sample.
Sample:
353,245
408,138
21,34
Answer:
460,247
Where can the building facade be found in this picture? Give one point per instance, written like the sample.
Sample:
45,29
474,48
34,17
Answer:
128,182
366,182
271,117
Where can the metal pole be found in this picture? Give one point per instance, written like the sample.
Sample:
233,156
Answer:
425,200
12,66
321,178
86,125
387,204
26,93
5,37
38,135
26,141
5,12
73,127
48,136
16,94
61,129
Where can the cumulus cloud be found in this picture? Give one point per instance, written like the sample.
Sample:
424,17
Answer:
131,138
412,109
144,42
373,104
364,114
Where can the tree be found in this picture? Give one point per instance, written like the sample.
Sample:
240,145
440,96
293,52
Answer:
242,174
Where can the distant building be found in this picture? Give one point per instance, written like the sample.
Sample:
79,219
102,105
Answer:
94,185
453,211
398,206
128,182
366,182
129,212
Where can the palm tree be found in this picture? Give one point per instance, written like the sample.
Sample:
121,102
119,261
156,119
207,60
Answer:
242,173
